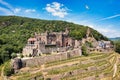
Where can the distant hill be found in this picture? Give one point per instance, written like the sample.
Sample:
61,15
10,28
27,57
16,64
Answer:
14,32
114,39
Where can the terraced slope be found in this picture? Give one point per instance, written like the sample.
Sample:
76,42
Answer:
96,66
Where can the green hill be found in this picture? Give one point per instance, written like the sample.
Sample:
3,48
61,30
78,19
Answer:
115,39
14,32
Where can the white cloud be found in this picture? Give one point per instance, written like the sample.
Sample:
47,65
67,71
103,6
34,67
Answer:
7,5
5,11
57,9
111,33
108,31
10,10
17,10
30,10
87,7
110,17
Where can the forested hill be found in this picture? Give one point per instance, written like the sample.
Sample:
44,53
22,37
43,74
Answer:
14,32
115,39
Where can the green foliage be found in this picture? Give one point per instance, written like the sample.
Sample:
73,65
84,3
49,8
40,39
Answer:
84,50
21,56
98,36
14,32
117,46
89,44
13,55
8,70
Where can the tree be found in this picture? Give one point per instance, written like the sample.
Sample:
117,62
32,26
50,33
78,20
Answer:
84,50
117,46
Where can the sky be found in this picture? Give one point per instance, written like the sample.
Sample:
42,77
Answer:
101,15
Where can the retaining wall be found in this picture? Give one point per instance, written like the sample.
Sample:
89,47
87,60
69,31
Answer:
49,58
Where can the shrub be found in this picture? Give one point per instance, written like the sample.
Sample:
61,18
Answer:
8,70
89,44
117,46
21,56
13,55
84,50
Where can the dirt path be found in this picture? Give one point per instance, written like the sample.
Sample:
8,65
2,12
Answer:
115,67
56,66
115,70
2,74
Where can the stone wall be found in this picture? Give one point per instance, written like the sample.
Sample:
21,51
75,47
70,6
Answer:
49,58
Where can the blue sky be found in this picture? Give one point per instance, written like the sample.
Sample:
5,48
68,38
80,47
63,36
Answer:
102,15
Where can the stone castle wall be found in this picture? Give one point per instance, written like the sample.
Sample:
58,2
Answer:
56,57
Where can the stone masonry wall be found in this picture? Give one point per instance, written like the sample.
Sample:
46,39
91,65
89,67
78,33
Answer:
56,57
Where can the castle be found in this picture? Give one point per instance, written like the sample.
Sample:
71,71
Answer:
49,42
55,42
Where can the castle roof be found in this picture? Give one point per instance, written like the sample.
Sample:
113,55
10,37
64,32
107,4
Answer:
32,39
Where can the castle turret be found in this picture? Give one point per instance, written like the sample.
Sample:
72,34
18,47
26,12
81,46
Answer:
88,33
66,31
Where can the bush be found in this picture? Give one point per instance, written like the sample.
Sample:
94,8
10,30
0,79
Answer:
84,50
8,70
89,44
13,55
21,56
117,46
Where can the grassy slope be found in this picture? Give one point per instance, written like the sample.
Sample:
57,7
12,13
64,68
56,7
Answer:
104,65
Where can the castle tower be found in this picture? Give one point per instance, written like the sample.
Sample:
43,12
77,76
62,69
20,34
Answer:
44,37
41,47
66,31
88,33
60,39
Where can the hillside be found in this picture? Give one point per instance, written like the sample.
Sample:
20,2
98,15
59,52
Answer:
114,39
96,66
14,32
